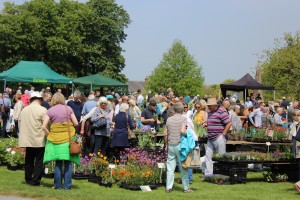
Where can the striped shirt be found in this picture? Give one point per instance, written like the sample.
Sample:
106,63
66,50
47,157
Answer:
216,123
174,125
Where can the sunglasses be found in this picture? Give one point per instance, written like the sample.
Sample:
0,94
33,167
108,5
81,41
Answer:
185,107
197,107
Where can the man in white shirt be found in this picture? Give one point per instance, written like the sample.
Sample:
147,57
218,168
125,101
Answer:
256,114
248,103
140,98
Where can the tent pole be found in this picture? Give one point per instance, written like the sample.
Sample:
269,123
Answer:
91,87
245,95
274,95
72,89
4,85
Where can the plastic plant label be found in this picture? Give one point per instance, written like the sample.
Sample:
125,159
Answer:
46,170
145,188
161,165
111,166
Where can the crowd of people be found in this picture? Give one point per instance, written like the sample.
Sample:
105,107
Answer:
45,123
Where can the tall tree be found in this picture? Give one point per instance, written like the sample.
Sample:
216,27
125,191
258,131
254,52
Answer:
177,70
73,38
282,66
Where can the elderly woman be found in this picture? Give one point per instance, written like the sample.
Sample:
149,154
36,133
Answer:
120,135
175,127
235,119
62,120
102,135
296,144
277,117
17,111
134,110
266,119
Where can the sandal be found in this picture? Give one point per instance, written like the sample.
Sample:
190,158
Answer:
188,191
168,190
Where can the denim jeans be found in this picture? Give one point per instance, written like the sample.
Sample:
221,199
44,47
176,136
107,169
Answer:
215,146
173,157
67,174
190,174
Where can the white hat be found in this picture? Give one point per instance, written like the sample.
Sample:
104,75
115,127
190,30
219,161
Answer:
47,88
36,95
211,101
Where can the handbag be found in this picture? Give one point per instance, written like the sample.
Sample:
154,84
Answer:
131,134
193,160
99,124
75,147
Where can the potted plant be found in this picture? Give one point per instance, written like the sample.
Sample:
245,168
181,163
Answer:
15,158
49,170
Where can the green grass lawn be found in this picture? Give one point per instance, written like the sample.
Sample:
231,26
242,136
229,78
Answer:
12,183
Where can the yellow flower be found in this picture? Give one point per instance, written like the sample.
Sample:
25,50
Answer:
99,153
105,157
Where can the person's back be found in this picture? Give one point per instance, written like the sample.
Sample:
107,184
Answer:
174,125
31,119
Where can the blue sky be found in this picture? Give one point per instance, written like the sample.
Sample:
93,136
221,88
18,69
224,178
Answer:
224,36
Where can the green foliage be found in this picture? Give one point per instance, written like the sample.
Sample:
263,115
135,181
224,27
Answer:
282,66
214,89
177,70
73,38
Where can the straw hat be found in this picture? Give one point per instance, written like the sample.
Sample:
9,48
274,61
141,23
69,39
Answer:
211,102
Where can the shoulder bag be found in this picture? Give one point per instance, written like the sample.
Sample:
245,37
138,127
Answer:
100,123
75,147
131,134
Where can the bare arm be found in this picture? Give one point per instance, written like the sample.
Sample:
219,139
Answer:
74,120
183,129
146,121
45,124
227,127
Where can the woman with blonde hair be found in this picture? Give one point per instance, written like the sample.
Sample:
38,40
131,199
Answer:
200,116
17,111
134,110
62,121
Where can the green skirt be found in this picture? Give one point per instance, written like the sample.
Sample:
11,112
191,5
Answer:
59,152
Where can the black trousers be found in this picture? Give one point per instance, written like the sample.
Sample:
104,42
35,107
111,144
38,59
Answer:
34,168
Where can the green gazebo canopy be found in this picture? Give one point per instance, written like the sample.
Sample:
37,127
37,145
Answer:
33,72
98,80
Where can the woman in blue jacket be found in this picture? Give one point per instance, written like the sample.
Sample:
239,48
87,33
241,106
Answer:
120,134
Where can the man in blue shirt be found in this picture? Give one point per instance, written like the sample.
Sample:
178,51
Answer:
91,103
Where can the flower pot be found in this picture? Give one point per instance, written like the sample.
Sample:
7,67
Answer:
51,175
80,176
12,167
137,188
107,185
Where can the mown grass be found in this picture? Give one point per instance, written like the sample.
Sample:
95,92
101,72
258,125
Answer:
12,183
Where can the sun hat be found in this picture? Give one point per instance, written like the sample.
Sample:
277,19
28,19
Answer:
211,102
36,95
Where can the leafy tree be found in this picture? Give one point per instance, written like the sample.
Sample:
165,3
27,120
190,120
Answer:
282,66
73,38
177,70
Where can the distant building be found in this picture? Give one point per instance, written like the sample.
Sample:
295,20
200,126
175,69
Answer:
133,86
